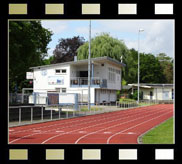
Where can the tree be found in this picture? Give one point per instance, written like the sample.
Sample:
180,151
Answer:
103,45
67,49
27,47
130,72
150,69
48,61
166,63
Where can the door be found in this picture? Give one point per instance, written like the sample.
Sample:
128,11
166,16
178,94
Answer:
83,73
151,95
165,95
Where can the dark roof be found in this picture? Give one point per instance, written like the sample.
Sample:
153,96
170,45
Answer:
83,61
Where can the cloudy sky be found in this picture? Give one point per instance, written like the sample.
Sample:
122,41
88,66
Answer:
158,35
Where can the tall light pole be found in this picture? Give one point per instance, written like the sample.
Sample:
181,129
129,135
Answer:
89,63
140,30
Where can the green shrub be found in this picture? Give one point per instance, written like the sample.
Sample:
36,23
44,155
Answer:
122,100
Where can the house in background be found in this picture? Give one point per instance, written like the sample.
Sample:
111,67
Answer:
72,77
153,91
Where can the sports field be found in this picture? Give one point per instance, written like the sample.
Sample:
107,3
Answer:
119,127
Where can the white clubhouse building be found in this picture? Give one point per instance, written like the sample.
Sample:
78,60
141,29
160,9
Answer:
72,77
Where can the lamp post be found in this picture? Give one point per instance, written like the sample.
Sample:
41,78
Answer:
89,62
140,30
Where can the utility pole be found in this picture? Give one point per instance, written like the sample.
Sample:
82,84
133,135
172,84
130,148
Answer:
89,63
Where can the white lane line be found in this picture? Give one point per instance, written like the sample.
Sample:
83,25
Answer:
84,123
107,132
82,132
11,130
110,127
59,131
36,131
108,140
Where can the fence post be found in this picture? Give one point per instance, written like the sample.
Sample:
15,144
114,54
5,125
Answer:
42,114
66,114
31,114
20,115
59,113
51,114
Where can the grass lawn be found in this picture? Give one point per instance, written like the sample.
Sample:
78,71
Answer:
162,134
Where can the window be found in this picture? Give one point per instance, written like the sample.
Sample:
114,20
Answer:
63,70
63,90
112,75
57,89
60,71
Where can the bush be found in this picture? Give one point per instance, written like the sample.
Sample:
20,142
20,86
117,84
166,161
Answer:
124,100
135,95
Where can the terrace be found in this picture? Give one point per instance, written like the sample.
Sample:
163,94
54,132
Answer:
83,82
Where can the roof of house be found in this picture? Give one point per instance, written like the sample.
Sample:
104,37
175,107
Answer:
105,58
148,85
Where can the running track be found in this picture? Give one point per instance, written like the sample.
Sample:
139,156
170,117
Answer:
119,127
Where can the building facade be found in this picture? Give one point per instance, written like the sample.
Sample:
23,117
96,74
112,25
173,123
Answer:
155,91
72,77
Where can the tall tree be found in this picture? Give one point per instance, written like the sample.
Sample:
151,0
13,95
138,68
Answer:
130,72
27,47
103,45
66,49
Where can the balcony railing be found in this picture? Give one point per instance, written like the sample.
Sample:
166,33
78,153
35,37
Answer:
83,81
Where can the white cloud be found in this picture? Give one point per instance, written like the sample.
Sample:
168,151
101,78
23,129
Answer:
55,26
158,35
85,31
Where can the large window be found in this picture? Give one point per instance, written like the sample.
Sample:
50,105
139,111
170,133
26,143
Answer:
112,75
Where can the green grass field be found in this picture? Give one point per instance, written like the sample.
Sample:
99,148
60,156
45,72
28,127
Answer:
162,134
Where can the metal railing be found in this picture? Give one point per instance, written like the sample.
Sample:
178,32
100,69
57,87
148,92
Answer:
81,81
22,115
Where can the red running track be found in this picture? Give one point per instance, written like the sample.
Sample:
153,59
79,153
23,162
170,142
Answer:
119,127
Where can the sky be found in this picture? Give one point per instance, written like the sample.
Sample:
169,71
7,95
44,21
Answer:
157,37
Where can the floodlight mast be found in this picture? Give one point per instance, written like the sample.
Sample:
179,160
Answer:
140,30
89,63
